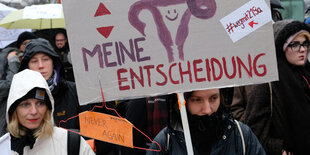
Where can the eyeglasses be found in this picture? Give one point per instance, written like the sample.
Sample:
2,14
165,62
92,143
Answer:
295,46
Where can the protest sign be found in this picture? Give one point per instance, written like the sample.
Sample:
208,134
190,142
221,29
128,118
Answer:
138,48
106,128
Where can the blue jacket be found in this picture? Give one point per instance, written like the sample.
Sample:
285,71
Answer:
229,142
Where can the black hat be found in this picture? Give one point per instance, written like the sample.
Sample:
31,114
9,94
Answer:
24,36
36,93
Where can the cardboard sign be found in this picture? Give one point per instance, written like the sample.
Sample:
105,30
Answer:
106,128
138,48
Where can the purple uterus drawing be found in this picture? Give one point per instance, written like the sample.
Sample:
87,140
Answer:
203,9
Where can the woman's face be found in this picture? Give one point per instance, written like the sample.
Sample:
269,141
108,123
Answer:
23,45
204,102
293,55
42,63
31,112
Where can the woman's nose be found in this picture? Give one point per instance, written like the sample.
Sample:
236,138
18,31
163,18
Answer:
40,64
206,108
302,49
33,109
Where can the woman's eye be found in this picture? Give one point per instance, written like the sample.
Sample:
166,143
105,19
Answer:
213,98
195,99
24,104
295,44
40,103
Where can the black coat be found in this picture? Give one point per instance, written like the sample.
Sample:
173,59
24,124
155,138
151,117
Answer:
229,142
66,104
7,70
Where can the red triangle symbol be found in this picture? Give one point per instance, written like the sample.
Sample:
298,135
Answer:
102,10
105,31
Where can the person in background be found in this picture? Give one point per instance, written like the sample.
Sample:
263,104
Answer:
212,128
275,5
9,65
40,56
62,49
279,112
29,118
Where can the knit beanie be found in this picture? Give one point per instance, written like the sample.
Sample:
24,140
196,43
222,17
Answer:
279,25
35,93
24,36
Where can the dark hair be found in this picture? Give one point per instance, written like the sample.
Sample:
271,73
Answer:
62,31
24,36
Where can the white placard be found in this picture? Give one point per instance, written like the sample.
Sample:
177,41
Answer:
43,11
140,48
246,19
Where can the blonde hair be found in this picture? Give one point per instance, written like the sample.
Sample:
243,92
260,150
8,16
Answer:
45,129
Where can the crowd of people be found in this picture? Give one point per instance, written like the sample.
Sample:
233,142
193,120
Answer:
37,92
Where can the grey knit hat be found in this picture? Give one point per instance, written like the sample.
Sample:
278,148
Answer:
279,25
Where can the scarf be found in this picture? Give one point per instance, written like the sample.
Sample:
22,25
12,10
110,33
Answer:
53,80
205,130
18,144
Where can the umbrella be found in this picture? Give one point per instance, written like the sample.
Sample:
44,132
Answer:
8,36
46,16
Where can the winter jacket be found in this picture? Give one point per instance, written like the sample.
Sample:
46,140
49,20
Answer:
225,140
229,143
64,93
66,104
7,69
55,145
239,101
265,119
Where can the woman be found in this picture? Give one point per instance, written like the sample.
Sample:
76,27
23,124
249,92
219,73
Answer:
29,118
279,113
40,56
213,130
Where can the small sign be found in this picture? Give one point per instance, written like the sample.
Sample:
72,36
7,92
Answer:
106,128
246,19
43,11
